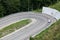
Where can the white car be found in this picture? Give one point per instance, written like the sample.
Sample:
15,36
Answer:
49,21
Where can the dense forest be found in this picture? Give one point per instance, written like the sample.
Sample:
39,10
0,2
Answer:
13,6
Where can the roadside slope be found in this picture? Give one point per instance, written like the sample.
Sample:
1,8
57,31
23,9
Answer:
51,33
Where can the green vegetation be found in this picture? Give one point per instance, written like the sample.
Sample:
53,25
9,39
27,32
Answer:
13,6
9,29
38,10
2,10
51,33
56,6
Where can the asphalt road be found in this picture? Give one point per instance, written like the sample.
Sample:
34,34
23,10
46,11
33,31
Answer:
33,29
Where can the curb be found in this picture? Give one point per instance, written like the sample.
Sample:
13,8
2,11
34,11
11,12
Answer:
33,21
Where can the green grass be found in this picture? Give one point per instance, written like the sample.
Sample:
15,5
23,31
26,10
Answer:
51,33
11,28
56,6
37,10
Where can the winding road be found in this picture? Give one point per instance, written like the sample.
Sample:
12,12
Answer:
40,24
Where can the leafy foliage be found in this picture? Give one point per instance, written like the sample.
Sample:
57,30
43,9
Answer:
12,6
2,10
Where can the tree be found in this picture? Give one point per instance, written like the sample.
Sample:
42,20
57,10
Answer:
2,10
11,6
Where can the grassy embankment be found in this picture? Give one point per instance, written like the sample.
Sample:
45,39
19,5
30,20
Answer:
11,28
37,10
53,32
56,6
